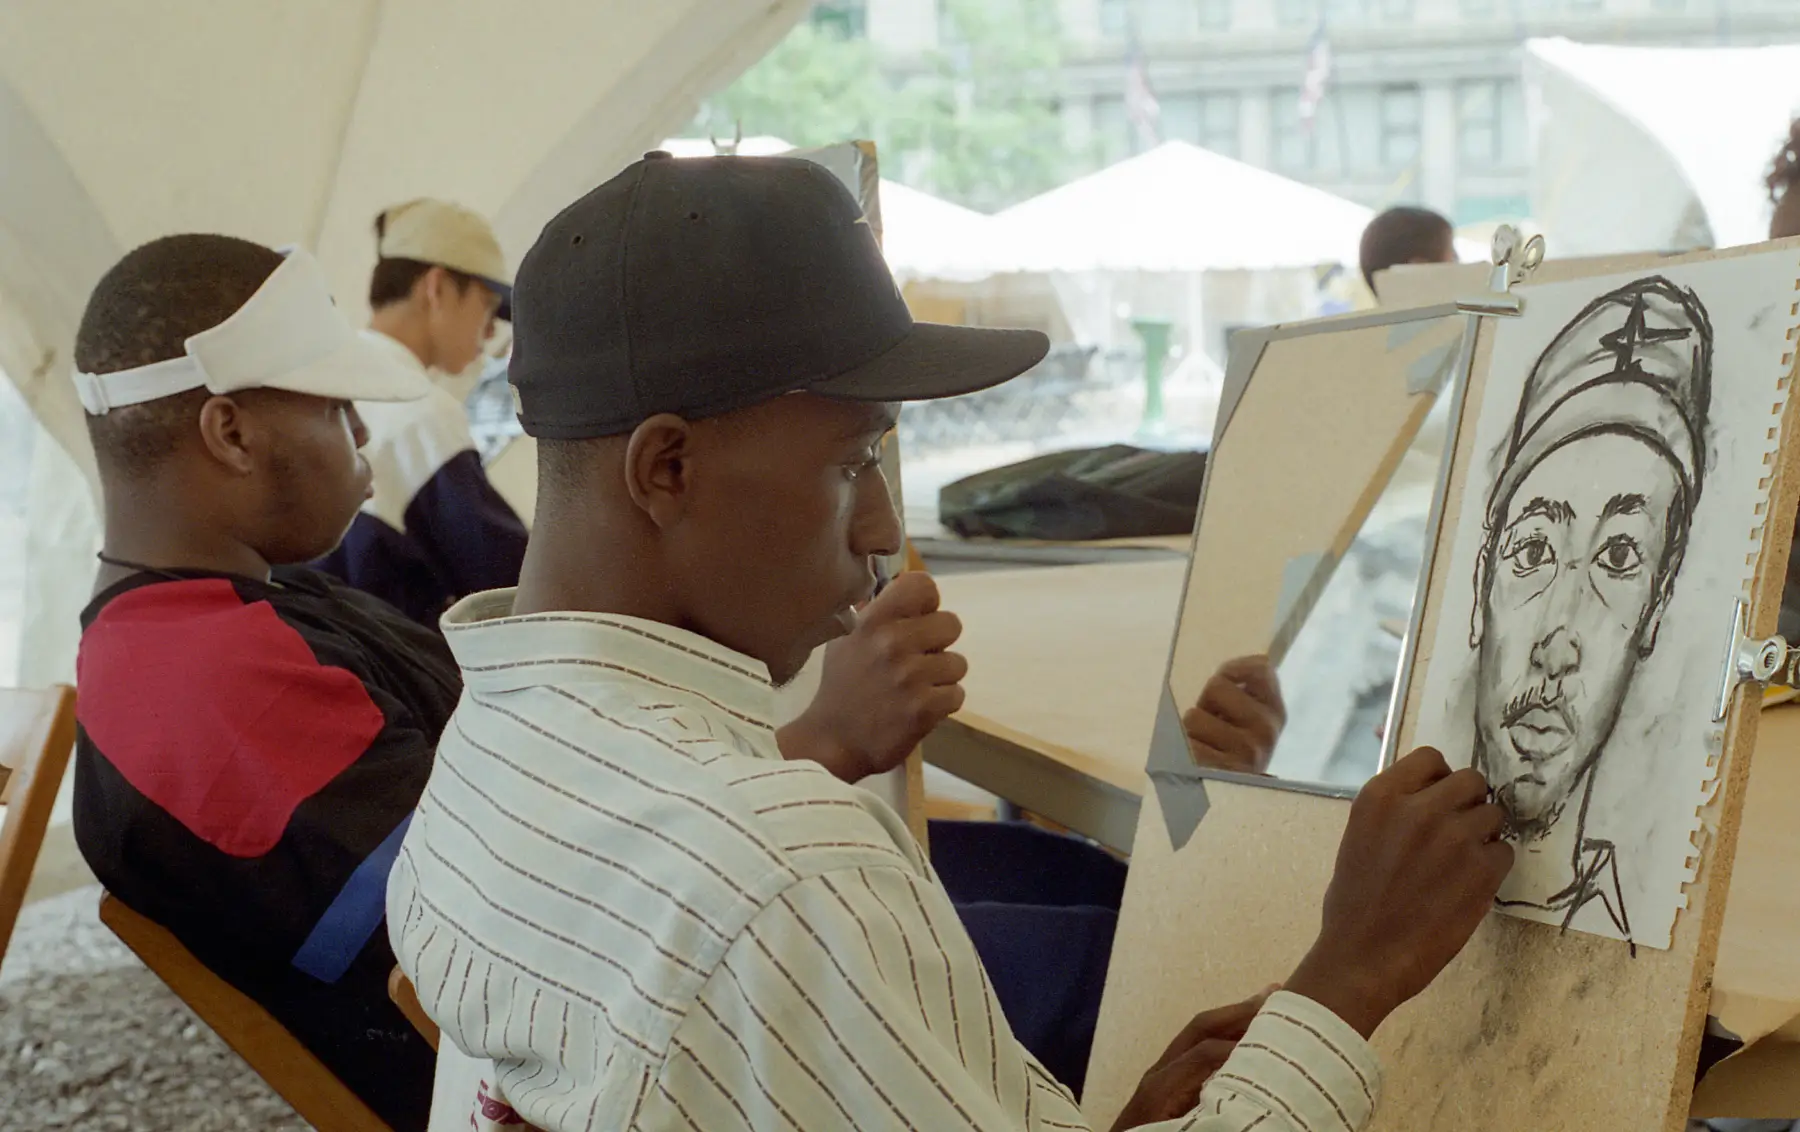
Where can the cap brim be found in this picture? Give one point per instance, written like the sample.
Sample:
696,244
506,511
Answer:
361,371
504,290
935,361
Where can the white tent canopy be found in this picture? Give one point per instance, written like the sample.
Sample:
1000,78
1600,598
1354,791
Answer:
1181,208
1655,148
927,237
922,236
296,123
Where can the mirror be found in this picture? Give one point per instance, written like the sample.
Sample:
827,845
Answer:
1344,657
1312,530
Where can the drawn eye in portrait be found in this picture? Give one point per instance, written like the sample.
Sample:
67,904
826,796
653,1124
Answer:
1585,531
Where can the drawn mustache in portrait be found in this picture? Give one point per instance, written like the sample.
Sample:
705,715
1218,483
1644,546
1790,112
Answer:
1585,531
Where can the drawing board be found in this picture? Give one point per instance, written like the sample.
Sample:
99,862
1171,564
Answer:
1531,1026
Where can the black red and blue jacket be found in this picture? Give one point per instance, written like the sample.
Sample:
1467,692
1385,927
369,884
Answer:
248,758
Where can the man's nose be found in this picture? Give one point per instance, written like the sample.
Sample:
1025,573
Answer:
876,529
1557,654
359,431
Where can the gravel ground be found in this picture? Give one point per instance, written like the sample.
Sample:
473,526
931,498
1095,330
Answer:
91,1040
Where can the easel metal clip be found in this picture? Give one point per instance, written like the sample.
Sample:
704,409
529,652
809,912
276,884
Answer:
1492,306
1763,661
1515,258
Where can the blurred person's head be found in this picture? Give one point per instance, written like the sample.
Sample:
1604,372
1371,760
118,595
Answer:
217,376
1405,234
439,283
1784,173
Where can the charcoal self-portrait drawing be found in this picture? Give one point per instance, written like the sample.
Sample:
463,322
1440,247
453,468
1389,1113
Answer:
1611,513
1586,528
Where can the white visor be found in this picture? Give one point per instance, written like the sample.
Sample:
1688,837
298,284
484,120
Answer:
289,335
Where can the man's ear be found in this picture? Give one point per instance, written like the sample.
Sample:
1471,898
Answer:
228,434
431,285
656,467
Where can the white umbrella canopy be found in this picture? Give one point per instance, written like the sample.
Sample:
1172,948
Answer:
1181,208
1653,148
296,123
928,237
922,236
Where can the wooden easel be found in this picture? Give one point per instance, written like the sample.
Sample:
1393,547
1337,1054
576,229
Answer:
1591,1039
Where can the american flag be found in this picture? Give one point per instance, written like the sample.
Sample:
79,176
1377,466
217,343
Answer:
1141,107
1317,77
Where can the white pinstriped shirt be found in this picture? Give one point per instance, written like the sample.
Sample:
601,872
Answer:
633,914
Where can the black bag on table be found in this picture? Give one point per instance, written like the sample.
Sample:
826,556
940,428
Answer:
1089,493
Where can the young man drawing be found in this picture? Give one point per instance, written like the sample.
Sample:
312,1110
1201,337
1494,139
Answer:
616,896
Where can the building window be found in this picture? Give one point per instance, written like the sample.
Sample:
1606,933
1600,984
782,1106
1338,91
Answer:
1215,15
1298,13
1342,13
1162,20
1400,125
1293,141
1490,125
1207,120
1478,142
1115,19
1310,151
1112,130
847,19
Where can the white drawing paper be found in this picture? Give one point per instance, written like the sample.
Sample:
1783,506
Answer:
1606,521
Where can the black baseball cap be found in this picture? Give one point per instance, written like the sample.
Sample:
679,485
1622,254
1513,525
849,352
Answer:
703,285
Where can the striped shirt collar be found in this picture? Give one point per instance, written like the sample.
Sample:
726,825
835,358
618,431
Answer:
499,652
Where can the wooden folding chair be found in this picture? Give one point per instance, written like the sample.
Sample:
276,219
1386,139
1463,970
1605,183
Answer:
400,989
37,732
277,1056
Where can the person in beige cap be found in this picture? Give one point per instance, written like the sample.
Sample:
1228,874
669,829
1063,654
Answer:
435,529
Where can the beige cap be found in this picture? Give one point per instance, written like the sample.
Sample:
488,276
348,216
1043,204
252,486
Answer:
449,235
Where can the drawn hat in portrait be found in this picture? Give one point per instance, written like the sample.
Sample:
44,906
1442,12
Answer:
1636,361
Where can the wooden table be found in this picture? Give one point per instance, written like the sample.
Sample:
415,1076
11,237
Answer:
1065,666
